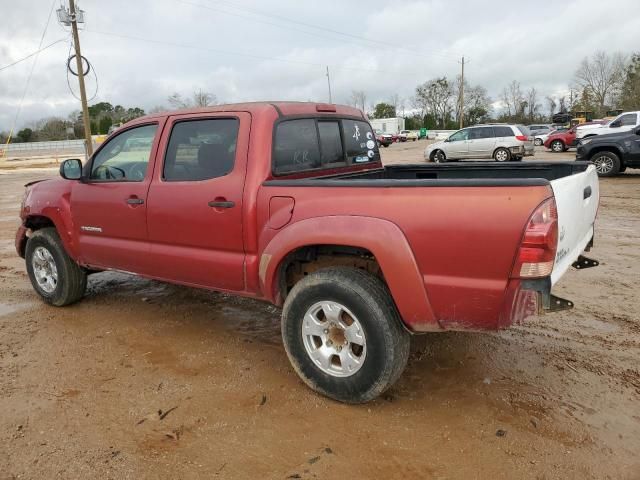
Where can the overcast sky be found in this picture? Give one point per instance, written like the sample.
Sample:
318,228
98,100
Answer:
246,50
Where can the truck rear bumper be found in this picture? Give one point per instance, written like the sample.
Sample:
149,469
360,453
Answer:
526,298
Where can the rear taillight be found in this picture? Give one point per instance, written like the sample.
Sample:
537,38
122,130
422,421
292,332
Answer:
537,250
522,138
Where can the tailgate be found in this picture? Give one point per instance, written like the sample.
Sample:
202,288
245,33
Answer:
577,198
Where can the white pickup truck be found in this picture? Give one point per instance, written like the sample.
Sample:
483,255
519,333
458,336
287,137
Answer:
624,122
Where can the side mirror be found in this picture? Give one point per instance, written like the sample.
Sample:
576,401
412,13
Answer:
71,169
615,124
638,131
447,140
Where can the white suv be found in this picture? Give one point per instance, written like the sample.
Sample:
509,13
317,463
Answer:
625,122
498,141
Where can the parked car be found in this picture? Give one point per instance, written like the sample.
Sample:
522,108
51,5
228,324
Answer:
560,141
290,203
383,139
611,153
540,133
408,135
498,141
622,123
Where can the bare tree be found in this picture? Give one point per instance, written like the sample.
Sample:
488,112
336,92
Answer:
359,99
203,99
601,77
551,102
436,98
562,102
477,102
533,107
199,98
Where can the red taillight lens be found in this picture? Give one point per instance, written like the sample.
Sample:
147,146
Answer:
537,250
522,138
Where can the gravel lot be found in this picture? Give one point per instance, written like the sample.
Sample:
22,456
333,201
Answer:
147,380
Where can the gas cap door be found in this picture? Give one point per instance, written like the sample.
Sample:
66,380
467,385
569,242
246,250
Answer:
280,211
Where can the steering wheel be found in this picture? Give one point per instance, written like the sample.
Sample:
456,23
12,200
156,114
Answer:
108,175
138,171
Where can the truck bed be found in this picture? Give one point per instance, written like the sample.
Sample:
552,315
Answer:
449,174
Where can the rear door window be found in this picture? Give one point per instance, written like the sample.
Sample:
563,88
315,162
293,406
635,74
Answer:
501,131
478,133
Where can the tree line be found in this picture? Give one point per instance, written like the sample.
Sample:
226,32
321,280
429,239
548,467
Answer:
601,83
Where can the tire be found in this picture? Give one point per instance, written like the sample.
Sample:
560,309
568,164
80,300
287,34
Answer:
557,146
607,163
538,142
376,349
54,275
438,156
502,155
385,145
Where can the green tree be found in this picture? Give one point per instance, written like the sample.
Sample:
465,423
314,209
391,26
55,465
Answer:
26,134
104,124
630,92
384,110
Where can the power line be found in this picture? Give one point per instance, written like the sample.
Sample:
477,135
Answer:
236,54
32,54
377,43
33,66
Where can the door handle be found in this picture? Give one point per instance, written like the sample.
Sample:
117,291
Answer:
586,193
135,201
221,204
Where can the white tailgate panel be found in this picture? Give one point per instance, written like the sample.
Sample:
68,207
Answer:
576,215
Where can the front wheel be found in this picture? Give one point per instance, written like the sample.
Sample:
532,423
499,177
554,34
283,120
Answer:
557,146
343,334
54,275
538,142
502,155
607,164
438,157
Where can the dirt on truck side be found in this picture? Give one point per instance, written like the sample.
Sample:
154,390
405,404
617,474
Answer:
148,380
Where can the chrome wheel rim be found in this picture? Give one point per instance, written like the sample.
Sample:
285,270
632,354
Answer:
603,164
538,142
44,269
501,156
557,147
438,157
334,339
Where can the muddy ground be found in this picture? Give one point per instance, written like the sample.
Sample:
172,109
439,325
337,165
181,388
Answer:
147,380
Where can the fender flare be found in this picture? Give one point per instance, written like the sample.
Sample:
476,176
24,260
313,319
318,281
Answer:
384,239
62,223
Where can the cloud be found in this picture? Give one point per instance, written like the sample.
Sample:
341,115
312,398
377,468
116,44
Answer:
240,50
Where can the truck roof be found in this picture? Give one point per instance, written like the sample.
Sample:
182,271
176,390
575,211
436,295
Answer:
283,108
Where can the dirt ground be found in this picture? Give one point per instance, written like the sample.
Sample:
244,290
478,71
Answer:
147,380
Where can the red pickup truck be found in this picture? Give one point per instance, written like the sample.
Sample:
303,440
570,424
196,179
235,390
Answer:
290,203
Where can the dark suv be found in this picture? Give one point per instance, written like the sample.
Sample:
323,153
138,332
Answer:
611,153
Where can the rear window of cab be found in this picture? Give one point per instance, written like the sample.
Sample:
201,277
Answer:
305,144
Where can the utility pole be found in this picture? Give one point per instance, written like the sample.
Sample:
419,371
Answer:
79,66
329,84
461,95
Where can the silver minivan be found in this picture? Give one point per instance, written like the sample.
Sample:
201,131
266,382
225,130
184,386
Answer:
501,142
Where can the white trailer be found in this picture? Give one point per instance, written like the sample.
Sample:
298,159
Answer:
388,125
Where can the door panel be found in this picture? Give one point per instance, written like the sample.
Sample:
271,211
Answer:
195,221
109,207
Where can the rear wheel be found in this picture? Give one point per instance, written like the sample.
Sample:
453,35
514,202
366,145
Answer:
54,275
607,163
538,142
557,146
438,157
502,155
343,334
